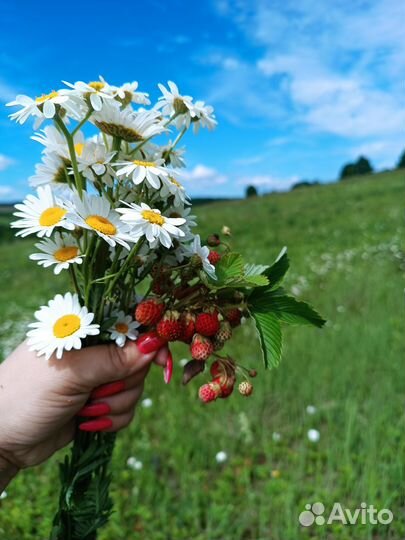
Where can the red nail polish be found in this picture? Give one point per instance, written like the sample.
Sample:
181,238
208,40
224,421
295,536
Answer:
108,389
150,342
96,425
95,409
168,369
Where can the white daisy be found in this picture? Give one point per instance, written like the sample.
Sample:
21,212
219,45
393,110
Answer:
203,116
127,94
95,214
172,187
123,328
42,107
52,170
185,213
55,142
62,325
60,251
173,157
172,101
96,92
41,214
202,251
151,223
141,170
93,160
126,124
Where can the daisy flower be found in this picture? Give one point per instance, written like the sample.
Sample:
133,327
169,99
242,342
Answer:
189,220
123,328
203,116
127,94
93,159
95,91
42,107
52,170
62,325
202,251
172,187
61,251
141,170
150,222
172,102
55,142
126,124
41,214
95,214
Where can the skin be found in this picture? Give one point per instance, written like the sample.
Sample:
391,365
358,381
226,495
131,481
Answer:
39,400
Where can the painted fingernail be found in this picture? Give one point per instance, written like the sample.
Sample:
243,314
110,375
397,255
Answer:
96,425
108,389
150,342
95,409
168,369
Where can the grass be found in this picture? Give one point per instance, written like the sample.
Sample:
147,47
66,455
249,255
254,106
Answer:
344,241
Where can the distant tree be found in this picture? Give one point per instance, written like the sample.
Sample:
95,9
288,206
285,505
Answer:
359,167
305,183
401,161
251,191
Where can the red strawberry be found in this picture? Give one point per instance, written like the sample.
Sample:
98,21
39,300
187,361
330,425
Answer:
188,321
201,347
209,392
234,316
170,327
149,312
207,324
227,388
245,388
214,257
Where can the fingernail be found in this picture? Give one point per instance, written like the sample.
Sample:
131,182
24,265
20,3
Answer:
96,425
168,369
150,342
95,409
108,389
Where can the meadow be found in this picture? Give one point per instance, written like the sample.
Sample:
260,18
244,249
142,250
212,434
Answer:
345,242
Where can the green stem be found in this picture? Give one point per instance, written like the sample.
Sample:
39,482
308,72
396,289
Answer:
69,139
124,267
89,113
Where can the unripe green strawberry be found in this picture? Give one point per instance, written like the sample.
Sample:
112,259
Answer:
245,388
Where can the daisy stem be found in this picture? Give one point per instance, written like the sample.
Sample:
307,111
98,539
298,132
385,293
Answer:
74,279
69,139
80,124
175,143
124,267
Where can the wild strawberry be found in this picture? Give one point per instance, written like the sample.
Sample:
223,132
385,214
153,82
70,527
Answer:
218,344
234,316
170,327
245,388
214,257
217,369
252,373
227,388
201,347
213,240
149,312
225,332
188,320
209,392
207,324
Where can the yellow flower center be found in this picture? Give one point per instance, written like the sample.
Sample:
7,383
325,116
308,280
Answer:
175,182
45,97
97,85
153,217
101,224
51,216
144,163
79,148
66,253
122,328
66,326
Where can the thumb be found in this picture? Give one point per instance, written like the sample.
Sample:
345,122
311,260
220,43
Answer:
93,366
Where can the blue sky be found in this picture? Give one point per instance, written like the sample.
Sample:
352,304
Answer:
299,88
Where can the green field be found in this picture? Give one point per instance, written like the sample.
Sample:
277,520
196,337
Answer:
345,243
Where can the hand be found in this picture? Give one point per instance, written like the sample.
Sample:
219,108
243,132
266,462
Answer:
39,400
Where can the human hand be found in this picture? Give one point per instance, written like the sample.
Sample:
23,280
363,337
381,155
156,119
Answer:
39,400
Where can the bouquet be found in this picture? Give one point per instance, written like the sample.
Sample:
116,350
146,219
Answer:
110,210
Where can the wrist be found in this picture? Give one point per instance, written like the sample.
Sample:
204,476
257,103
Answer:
7,472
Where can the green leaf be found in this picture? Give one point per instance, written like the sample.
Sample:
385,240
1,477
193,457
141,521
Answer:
269,330
287,308
278,270
228,268
255,269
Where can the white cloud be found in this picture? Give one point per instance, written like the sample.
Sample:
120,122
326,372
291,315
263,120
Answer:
6,191
203,176
268,182
5,162
7,93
